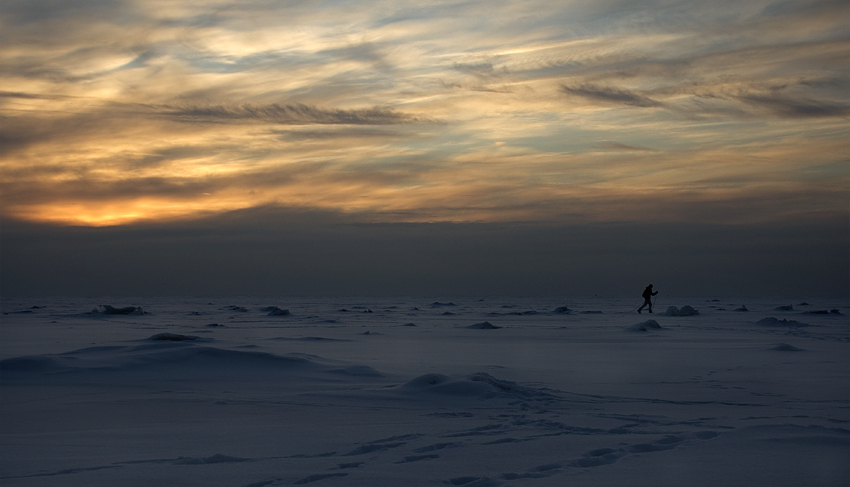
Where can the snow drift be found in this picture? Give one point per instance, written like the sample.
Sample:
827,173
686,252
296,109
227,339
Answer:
478,385
486,325
172,357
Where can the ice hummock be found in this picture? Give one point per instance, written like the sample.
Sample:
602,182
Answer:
106,309
685,310
275,311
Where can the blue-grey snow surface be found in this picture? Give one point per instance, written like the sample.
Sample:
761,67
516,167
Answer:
423,392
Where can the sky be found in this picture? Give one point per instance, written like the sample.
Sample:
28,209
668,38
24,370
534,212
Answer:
445,147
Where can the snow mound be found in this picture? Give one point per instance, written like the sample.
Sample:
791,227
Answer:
562,309
106,309
486,325
275,311
683,311
742,308
784,347
645,326
480,385
771,321
784,308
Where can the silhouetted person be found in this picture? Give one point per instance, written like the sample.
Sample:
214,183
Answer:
647,298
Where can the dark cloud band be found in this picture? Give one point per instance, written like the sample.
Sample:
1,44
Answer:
295,114
606,94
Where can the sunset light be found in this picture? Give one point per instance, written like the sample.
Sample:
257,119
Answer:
408,117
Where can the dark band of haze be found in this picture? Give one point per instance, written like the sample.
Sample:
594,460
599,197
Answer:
475,147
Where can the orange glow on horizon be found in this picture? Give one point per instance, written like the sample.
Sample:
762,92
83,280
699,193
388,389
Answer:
118,213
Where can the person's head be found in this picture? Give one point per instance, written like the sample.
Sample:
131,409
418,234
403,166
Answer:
649,285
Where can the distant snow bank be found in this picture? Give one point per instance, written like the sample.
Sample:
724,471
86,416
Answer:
771,321
834,312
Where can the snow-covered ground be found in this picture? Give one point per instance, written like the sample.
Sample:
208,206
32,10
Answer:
423,392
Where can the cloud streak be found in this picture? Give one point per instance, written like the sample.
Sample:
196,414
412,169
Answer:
297,114
791,107
611,95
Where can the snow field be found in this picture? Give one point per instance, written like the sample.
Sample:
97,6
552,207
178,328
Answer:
392,391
